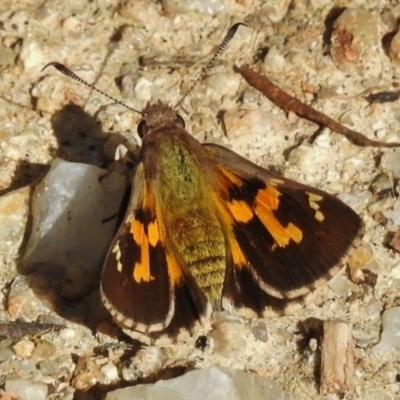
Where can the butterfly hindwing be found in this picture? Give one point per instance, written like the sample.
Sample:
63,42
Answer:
285,237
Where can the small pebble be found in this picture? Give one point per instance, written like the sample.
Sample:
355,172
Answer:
110,371
25,389
389,344
274,60
44,349
210,7
228,336
390,163
24,348
395,272
341,286
259,329
31,55
381,183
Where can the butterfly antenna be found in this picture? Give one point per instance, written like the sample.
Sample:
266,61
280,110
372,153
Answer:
228,37
67,72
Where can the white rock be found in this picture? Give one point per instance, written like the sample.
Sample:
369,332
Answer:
340,285
143,89
276,10
25,389
390,163
210,7
215,383
395,272
69,209
24,348
31,55
390,337
274,60
110,372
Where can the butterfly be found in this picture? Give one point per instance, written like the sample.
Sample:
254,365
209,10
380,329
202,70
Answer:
206,229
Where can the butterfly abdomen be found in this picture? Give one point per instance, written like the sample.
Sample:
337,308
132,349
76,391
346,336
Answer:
198,239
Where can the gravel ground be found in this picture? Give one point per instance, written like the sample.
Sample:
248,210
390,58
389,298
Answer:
323,53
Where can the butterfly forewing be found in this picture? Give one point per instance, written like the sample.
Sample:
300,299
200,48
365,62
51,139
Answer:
135,284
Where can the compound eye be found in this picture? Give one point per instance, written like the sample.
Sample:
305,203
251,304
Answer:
142,129
180,120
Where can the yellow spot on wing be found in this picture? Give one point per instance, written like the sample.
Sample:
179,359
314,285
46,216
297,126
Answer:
319,216
267,200
313,200
117,251
314,197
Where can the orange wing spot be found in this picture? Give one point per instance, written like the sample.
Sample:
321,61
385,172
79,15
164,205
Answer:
267,200
153,233
137,230
269,197
241,211
295,233
174,269
239,259
141,271
233,178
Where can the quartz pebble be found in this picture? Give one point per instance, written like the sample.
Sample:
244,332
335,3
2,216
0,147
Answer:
210,7
228,336
69,208
341,286
31,55
25,389
24,348
209,383
389,345
44,349
390,163
110,372
259,329
393,215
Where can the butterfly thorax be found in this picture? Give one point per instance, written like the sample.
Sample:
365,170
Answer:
181,179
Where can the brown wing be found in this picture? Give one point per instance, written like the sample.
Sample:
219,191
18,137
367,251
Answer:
285,239
143,284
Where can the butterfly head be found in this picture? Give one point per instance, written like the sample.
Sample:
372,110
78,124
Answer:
156,116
